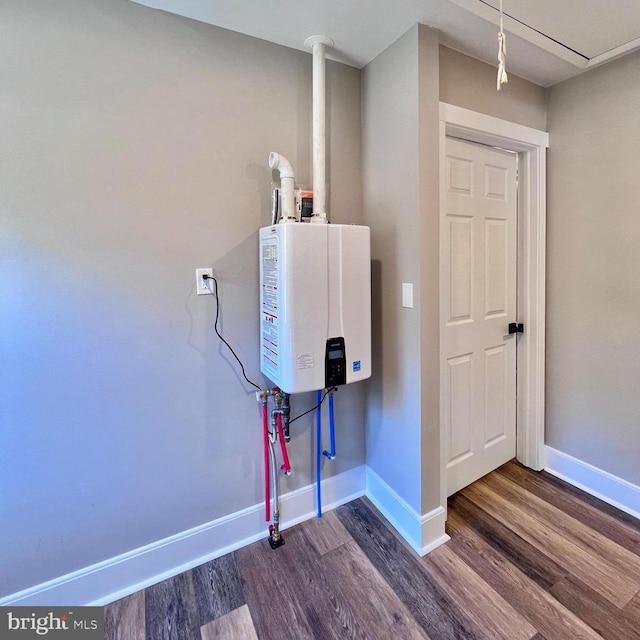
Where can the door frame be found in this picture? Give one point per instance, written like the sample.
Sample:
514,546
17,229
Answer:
530,145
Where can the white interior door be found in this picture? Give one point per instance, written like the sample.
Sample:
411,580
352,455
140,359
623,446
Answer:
478,297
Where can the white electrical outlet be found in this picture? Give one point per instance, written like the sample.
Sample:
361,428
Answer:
204,286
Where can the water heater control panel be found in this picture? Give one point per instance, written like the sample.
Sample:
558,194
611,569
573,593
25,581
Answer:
335,363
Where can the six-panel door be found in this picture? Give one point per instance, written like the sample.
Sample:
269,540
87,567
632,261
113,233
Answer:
478,251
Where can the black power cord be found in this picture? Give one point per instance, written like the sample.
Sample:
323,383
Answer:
206,276
326,393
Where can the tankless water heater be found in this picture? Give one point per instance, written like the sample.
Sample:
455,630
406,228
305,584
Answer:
315,305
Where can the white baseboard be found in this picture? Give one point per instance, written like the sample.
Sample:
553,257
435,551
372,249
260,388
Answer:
601,484
433,530
117,577
423,533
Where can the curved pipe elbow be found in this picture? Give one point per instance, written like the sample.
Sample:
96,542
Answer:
287,180
281,164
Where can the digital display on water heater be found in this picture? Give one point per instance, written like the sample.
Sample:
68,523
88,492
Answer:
335,365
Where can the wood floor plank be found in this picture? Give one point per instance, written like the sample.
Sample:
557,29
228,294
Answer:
124,619
632,612
234,625
543,612
622,560
171,611
329,609
586,567
325,534
357,583
613,528
343,596
532,562
217,588
487,608
436,612
295,572
595,610
276,603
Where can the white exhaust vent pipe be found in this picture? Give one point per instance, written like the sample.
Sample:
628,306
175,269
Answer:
287,180
317,45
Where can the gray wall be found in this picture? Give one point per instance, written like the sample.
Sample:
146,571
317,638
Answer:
400,126
429,221
469,83
593,262
134,149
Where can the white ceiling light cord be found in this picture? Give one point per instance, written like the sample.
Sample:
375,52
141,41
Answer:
502,54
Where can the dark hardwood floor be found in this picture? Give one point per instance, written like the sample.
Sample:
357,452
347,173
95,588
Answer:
529,557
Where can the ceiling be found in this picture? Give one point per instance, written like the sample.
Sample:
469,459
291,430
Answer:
547,40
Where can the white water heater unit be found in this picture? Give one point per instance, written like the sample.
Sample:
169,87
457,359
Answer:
315,305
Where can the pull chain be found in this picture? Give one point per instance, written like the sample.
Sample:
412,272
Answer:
502,54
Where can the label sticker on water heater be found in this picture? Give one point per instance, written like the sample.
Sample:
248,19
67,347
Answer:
304,361
270,348
356,365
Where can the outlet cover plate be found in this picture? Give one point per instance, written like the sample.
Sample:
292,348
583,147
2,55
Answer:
204,287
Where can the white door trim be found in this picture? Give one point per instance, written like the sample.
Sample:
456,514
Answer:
531,145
